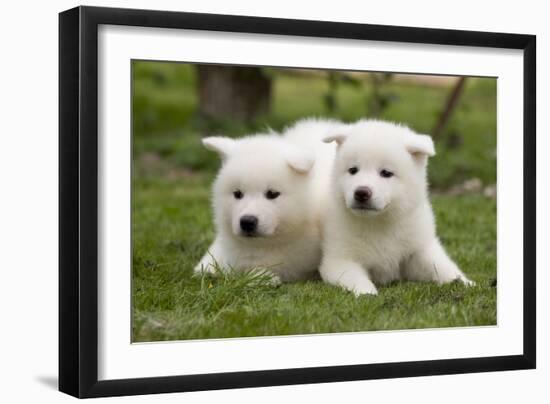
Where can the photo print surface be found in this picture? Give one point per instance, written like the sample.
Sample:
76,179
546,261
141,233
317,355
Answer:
280,201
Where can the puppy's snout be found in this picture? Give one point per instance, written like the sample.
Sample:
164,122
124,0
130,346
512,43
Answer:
362,194
249,223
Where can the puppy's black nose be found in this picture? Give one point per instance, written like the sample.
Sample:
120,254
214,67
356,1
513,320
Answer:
362,194
249,223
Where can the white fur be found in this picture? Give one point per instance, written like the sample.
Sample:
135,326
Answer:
393,237
289,235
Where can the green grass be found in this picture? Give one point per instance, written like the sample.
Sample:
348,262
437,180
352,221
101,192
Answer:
172,220
172,228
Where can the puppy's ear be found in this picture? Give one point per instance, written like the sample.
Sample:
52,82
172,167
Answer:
339,139
224,146
420,145
300,161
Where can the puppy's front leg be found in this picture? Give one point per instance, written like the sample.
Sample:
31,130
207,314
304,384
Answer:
433,264
213,260
347,274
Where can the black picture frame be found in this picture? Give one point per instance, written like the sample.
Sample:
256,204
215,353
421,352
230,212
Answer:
78,201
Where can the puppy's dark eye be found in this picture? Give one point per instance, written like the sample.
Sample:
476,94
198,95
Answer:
270,194
386,174
353,170
238,194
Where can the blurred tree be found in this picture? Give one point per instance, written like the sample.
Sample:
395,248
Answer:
233,92
381,98
378,100
335,78
330,97
449,107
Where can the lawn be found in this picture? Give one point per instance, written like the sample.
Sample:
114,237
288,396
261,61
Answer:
172,228
172,221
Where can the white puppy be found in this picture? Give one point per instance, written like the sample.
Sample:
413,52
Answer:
266,216
379,225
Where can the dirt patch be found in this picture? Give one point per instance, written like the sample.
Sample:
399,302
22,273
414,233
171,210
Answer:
470,186
152,164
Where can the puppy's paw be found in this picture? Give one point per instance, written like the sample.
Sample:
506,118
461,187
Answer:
348,275
466,281
364,288
275,280
203,268
264,275
359,286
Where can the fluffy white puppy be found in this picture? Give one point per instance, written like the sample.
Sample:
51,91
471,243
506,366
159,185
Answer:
265,214
379,225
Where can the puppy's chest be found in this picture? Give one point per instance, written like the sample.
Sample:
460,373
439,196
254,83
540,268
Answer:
293,257
382,249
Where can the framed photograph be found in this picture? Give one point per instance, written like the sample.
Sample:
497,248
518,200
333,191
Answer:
251,201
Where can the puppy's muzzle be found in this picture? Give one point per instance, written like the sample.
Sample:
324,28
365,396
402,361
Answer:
249,225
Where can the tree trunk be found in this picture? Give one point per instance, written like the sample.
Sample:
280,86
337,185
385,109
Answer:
233,92
450,106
